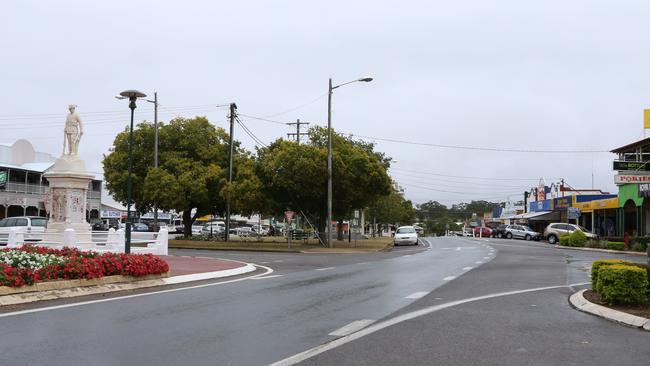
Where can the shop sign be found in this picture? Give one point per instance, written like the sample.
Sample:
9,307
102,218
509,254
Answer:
644,190
632,165
631,178
560,203
573,213
109,214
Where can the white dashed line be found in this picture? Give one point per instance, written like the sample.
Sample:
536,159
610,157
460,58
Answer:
417,295
449,278
265,277
352,327
457,248
467,268
362,263
325,269
478,262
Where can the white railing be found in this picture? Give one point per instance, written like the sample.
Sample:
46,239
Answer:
101,241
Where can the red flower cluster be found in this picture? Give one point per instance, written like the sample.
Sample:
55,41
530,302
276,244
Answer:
86,265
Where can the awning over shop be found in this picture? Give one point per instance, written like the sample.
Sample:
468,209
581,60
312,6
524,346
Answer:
539,216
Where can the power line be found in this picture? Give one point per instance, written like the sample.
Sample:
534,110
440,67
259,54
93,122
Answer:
465,177
456,183
476,148
454,192
250,133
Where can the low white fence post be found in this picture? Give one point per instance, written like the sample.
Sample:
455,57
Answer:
162,242
120,240
69,238
16,238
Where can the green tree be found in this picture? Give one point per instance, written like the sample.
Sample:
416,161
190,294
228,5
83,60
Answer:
392,208
192,171
295,176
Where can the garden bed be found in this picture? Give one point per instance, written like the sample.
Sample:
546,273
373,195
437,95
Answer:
36,266
642,310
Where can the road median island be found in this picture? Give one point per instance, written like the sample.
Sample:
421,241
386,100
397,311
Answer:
634,316
181,270
279,244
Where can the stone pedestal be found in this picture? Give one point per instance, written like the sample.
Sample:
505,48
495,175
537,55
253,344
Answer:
66,201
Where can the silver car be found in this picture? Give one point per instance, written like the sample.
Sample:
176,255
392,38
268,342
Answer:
522,232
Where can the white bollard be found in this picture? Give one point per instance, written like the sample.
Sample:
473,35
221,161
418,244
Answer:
68,238
111,238
120,240
163,242
15,239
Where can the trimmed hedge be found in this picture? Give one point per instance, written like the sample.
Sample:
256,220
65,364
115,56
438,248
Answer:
577,239
647,268
622,284
595,267
564,239
615,245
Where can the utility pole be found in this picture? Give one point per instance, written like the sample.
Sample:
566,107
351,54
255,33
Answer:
233,115
297,134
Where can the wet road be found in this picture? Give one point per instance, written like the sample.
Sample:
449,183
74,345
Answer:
310,299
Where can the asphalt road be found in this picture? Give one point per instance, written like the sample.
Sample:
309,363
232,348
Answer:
315,299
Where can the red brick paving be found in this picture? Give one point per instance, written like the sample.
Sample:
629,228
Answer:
189,265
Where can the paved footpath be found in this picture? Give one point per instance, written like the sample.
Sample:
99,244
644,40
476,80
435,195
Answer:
184,265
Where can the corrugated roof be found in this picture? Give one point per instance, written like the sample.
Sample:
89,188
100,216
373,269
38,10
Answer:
631,146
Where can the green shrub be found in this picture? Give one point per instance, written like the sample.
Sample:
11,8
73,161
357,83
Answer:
615,245
595,267
638,247
622,284
577,239
564,239
647,268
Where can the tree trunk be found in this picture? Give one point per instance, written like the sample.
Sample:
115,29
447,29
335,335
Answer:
187,223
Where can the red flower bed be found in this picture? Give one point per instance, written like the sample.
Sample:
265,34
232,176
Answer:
82,265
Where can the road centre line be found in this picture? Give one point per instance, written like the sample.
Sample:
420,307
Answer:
449,278
292,360
417,295
71,305
467,268
478,262
325,269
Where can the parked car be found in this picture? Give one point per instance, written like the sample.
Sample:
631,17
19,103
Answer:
553,231
140,227
522,232
485,232
215,227
499,231
32,227
405,235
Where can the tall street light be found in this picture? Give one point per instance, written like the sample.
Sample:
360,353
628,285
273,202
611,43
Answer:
132,95
329,154
155,151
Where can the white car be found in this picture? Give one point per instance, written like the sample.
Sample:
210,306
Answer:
406,235
215,227
32,227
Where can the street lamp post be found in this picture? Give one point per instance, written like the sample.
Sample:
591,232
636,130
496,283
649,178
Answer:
155,151
133,95
329,154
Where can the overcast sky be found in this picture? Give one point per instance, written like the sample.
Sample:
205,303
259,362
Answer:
565,75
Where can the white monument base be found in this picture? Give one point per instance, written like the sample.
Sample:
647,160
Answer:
69,183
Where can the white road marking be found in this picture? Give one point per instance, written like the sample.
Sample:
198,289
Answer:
399,319
265,262
478,262
72,305
486,257
265,277
467,268
352,327
449,278
325,269
417,295
278,261
457,248
362,263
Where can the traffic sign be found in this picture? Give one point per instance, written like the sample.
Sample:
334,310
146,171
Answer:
288,215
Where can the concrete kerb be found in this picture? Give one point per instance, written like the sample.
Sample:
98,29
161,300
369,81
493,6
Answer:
642,254
29,297
579,302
